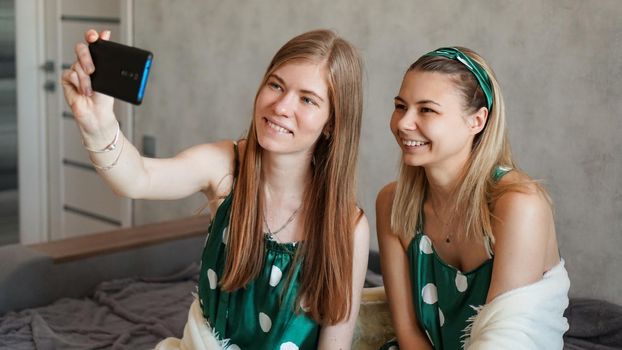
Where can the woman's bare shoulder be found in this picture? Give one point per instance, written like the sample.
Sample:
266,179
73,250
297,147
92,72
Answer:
385,196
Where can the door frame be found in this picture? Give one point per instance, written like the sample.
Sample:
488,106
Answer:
31,123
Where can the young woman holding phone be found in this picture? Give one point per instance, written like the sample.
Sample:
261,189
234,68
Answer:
285,259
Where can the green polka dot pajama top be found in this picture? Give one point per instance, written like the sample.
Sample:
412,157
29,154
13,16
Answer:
444,297
263,314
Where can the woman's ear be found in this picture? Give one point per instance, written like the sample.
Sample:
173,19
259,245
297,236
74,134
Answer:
477,120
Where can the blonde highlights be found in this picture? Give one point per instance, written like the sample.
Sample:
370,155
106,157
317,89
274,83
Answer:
476,192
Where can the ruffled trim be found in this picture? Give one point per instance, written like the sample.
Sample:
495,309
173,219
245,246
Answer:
287,248
466,332
198,334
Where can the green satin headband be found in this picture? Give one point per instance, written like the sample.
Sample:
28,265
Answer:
478,71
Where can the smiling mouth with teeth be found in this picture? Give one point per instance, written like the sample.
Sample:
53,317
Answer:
277,127
414,143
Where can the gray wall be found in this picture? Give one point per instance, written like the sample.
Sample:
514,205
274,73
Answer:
558,63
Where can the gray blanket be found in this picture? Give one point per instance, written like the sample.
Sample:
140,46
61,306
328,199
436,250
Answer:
120,314
138,313
594,325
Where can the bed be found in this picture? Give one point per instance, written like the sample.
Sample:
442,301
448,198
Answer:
130,288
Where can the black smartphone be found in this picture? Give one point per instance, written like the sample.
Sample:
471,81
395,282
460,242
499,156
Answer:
121,71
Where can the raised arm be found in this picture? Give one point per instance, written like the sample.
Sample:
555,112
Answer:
122,167
395,273
339,336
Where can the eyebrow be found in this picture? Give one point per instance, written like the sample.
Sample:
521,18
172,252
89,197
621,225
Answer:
418,102
311,92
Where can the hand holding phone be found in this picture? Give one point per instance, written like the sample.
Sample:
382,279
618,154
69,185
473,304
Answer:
121,71
94,112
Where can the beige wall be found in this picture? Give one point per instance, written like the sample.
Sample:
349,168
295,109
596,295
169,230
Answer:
558,63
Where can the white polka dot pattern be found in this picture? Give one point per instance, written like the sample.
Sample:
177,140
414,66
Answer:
429,294
441,317
288,346
425,245
461,282
212,278
275,276
265,322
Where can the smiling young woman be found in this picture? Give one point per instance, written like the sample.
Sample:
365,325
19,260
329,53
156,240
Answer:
292,108
462,223
285,259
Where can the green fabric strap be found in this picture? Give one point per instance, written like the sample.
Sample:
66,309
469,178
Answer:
478,71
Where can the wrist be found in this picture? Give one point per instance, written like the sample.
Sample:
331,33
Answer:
102,137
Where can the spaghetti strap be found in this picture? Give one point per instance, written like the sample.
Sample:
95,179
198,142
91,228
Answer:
236,159
499,171
488,246
497,174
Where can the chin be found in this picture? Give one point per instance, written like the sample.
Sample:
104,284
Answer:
410,160
273,145
267,144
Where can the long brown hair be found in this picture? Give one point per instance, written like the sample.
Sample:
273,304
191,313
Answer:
330,211
476,191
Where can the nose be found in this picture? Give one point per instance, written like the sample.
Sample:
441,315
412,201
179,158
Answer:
284,105
408,121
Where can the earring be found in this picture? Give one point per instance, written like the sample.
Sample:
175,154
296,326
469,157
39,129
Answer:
326,135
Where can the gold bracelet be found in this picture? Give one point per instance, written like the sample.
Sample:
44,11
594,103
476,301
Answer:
111,146
113,164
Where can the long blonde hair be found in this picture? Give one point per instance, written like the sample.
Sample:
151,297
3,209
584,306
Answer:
476,191
330,211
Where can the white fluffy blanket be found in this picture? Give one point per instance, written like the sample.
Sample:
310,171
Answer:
529,317
197,335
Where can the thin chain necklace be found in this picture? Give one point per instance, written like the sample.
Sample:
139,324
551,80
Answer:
273,234
443,225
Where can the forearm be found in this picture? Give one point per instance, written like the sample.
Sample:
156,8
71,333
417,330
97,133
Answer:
117,161
339,336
